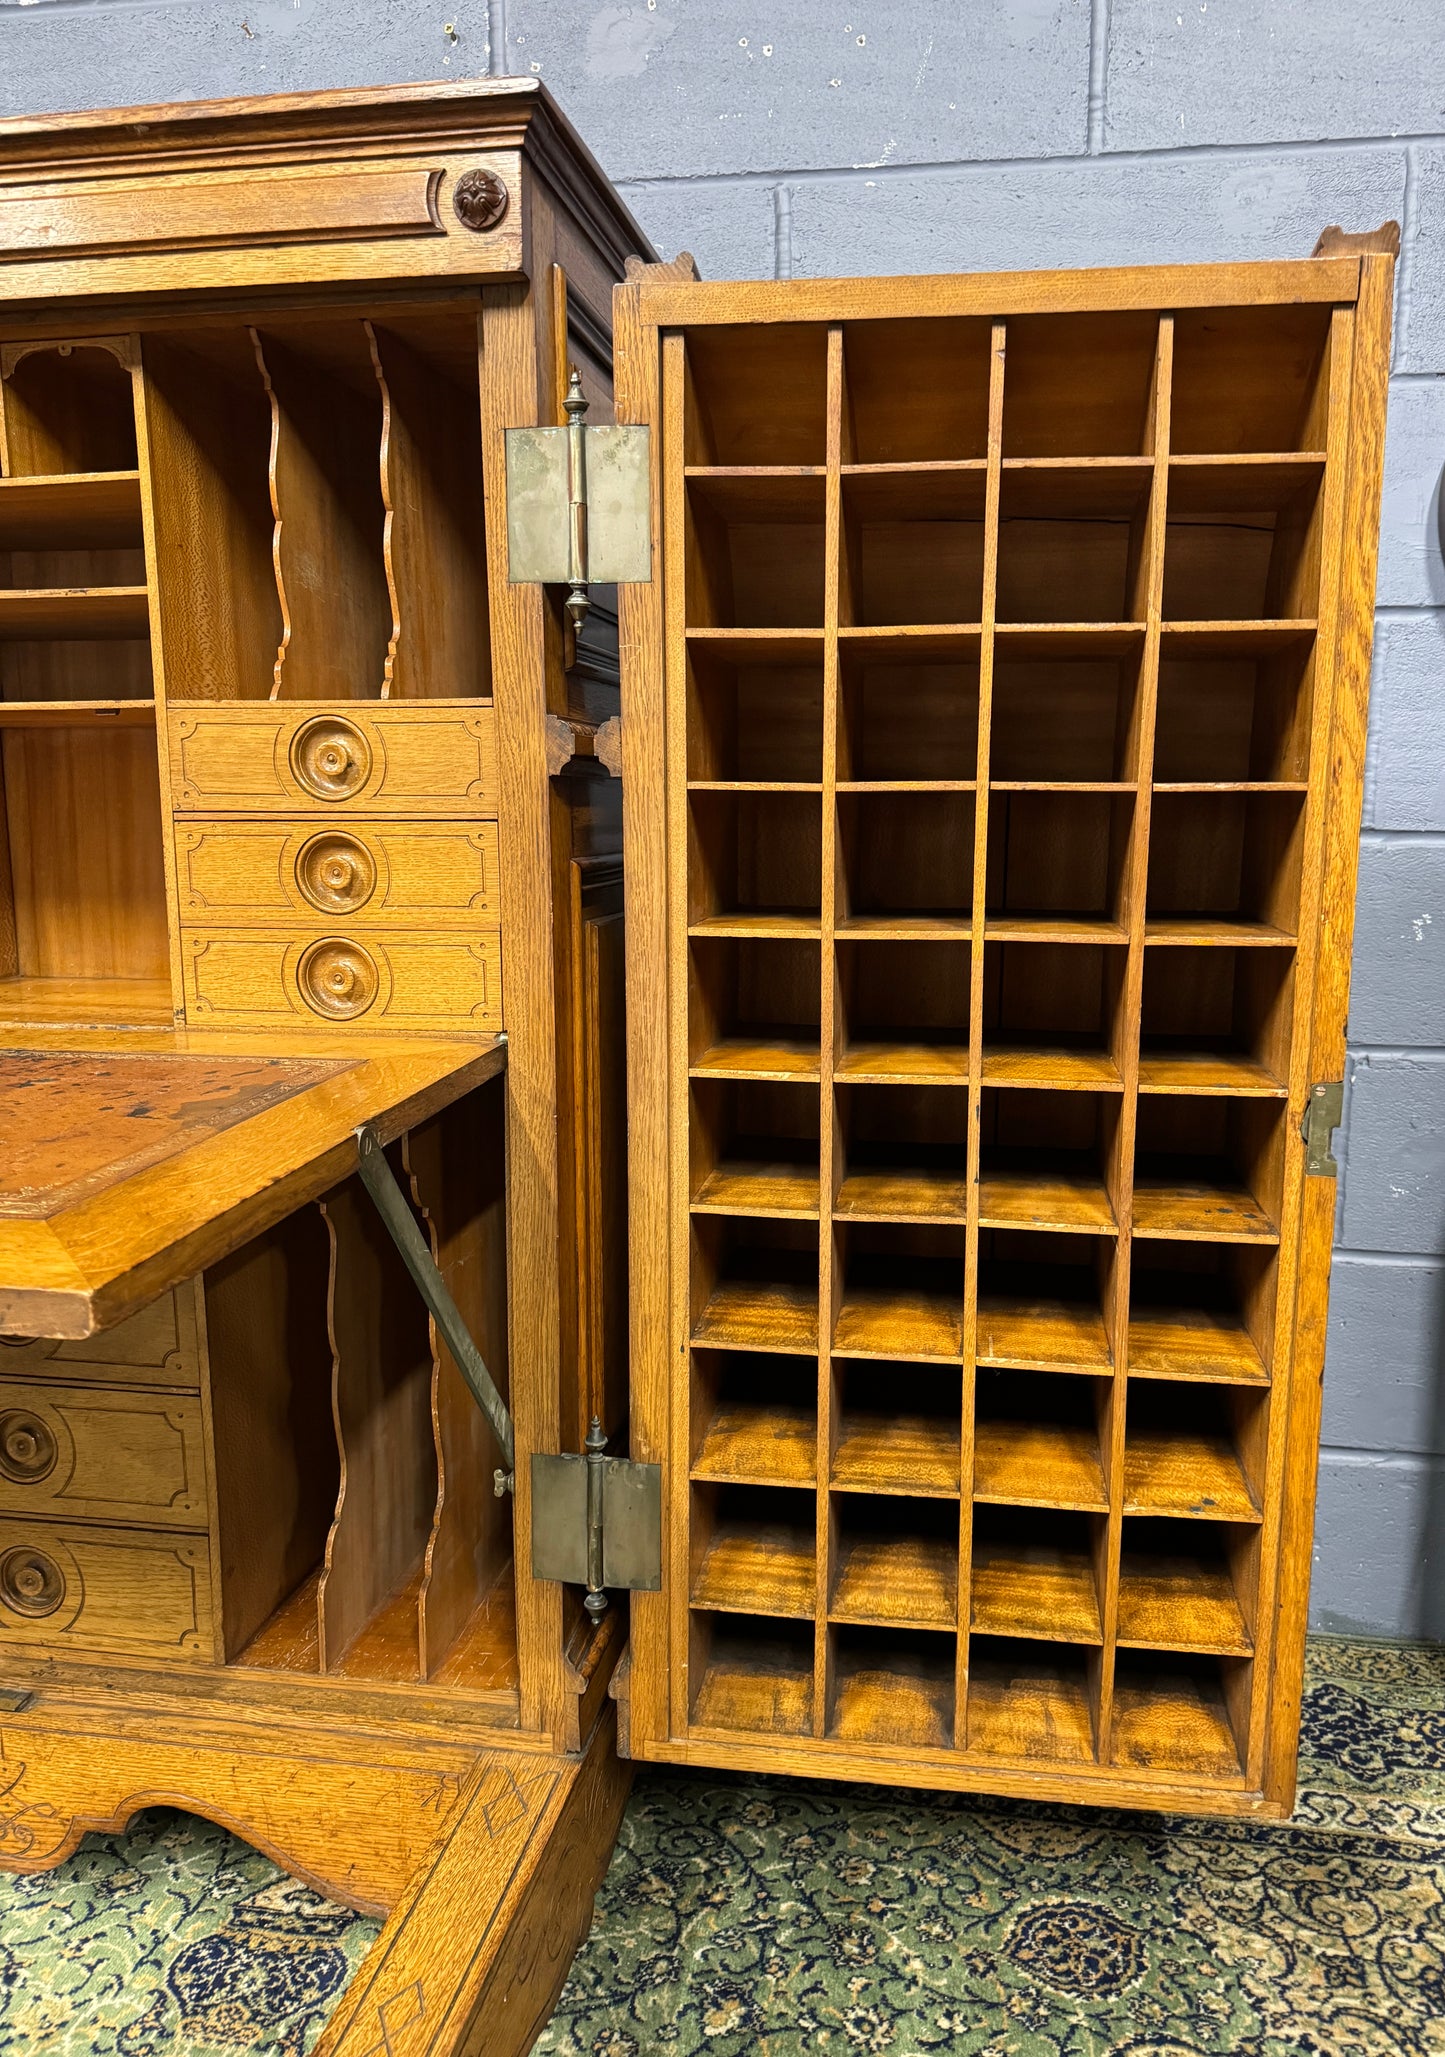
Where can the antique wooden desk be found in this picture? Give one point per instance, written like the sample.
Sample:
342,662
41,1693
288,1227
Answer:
305,848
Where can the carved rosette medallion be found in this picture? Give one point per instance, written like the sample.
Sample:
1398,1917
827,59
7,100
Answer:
330,757
338,978
27,1447
336,873
479,199
31,1583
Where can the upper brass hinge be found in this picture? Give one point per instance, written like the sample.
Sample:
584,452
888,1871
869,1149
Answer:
579,505
15,1699
597,1522
1323,1115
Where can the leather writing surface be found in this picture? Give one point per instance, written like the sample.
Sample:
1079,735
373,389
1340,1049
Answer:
74,1123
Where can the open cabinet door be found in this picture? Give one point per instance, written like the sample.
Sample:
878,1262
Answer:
991,733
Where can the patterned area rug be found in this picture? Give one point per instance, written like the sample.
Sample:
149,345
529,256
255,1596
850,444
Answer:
770,1918
774,1918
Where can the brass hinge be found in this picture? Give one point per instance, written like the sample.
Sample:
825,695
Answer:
597,1522
579,505
15,1699
1323,1115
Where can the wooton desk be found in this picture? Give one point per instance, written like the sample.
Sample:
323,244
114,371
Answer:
304,833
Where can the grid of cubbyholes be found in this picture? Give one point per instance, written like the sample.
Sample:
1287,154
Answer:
998,746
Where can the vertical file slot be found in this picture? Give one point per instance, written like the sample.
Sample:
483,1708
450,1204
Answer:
326,452
434,542
455,1164
381,1379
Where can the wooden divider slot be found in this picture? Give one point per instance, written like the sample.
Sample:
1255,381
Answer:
456,1168
326,498
367,1598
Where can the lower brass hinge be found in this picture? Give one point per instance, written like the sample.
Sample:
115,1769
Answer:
15,1699
597,1522
1323,1115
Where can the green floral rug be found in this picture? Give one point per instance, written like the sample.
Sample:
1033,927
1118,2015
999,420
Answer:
770,1918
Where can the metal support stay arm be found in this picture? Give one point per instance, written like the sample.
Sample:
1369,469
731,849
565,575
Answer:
401,1225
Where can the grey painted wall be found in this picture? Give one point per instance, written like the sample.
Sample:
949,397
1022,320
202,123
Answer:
809,137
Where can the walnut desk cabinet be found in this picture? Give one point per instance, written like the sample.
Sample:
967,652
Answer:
993,741
305,851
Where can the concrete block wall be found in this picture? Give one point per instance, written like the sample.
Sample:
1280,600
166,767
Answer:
794,138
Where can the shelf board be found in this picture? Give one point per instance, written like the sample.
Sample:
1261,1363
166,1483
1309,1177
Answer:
1186,1473
1035,1711
896,1581
1080,486
76,614
907,786
1231,785
1050,1066
869,1194
897,1453
754,786
87,1002
902,1699
760,1314
1179,1603
53,714
1218,932
906,928
767,926
1035,1591
754,1569
762,646
1043,1194
1193,1343
908,642
1193,1202
1231,638
1172,1070
1029,1331
98,510
943,489
1006,785
1052,639
904,1319
758,1185
1038,1464
1252,482
749,1686
913,1063
1053,928
772,1445
758,1056
1172,1721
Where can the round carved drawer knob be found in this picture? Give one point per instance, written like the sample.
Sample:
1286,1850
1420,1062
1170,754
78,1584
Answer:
330,757
336,873
479,199
338,979
27,1447
30,1582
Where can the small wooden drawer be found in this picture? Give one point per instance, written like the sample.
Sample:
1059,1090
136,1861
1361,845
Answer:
92,1453
390,873
252,978
160,1346
70,1587
416,758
